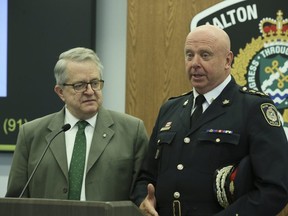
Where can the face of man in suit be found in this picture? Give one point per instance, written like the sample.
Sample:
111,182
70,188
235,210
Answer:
82,105
207,57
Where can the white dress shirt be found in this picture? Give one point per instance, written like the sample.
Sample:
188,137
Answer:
70,138
212,95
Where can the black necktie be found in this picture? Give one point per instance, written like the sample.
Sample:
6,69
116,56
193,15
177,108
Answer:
200,99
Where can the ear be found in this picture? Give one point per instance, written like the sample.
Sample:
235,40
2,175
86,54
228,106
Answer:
229,59
59,91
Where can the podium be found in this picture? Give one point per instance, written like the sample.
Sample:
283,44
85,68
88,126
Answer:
49,207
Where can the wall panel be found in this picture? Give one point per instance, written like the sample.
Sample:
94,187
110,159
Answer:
156,32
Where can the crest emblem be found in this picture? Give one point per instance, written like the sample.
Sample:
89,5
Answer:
263,65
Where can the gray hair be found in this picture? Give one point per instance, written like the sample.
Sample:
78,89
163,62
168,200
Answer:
78,54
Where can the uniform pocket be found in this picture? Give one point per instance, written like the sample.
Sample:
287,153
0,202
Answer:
164,149
214,148
165,137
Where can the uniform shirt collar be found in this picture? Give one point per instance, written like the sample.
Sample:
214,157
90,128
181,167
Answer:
214,93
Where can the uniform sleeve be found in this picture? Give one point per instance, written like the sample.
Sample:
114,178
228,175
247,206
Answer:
268,151
148,172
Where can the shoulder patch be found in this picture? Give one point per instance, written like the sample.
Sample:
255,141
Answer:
271,114
184,94
244,89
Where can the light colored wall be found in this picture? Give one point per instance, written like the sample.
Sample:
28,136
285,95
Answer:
5,162
111,48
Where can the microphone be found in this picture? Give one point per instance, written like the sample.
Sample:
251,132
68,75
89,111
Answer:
63,129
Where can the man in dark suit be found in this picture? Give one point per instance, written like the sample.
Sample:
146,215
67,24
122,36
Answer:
115,143
180,175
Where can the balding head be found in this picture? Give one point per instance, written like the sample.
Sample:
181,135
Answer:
212,33
207,57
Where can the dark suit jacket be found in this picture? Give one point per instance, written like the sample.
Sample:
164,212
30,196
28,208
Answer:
113,163
181,162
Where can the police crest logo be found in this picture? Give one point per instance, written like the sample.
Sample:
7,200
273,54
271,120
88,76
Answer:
270,113
259,35
262,64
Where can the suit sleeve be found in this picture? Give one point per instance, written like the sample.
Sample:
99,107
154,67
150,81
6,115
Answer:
141,145
18,173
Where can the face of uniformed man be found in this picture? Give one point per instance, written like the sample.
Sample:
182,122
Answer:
207,57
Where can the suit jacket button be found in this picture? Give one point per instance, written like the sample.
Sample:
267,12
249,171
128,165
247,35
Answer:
65,190
186,140
180,167
176,195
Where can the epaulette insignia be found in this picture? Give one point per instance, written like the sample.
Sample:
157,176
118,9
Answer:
253,92
184,94
271,114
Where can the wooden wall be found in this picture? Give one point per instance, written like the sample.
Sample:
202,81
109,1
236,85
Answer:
156,32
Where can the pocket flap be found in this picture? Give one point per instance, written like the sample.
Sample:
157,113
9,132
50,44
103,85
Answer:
165,137
220,137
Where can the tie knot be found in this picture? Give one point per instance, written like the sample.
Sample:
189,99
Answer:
199,100
82,124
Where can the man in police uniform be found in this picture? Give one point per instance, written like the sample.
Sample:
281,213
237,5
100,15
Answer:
179,175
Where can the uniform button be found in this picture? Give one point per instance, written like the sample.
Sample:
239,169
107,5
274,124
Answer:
176,195
218,140
158,141
65,190
186,140
180,167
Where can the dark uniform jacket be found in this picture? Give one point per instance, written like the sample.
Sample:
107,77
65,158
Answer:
181,162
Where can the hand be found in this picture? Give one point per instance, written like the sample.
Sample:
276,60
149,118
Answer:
149,203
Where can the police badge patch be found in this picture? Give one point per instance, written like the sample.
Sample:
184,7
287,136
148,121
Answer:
271,115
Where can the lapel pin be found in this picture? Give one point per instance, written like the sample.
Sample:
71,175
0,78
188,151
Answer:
186,102
225,102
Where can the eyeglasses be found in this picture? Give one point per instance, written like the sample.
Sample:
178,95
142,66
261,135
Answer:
80,87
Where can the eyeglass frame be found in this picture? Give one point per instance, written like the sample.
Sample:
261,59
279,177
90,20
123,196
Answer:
100,82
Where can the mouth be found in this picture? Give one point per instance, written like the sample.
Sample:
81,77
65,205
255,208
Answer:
89,101
197,75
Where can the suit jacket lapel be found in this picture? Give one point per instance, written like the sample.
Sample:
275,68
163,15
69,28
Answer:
101,138
58,146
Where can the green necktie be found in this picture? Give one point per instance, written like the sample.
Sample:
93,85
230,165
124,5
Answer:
77,164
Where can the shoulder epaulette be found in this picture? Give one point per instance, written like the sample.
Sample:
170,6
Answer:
184,94
244,89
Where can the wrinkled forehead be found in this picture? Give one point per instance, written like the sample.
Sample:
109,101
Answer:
200,38
209,35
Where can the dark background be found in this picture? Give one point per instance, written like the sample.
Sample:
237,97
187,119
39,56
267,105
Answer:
38,31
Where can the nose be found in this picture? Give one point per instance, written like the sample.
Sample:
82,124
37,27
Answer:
195,62
195,59
89,89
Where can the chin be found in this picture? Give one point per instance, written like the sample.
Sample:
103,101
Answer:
90,109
